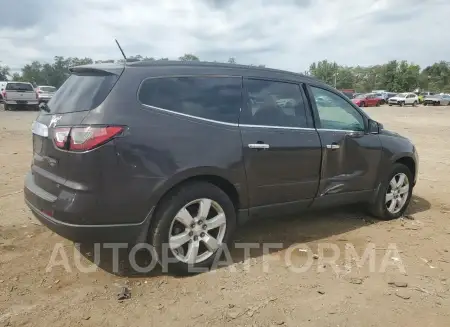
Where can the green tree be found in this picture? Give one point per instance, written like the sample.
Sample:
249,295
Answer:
188,57
325,71
4,73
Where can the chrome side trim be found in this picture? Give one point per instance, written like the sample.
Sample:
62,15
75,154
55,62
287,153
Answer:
190,116
339,130
258,146
278,127
247,125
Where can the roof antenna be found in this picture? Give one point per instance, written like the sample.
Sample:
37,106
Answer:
120,48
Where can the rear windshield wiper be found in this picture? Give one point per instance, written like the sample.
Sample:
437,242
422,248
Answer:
44,106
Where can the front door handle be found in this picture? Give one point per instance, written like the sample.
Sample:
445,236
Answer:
333,146
259,146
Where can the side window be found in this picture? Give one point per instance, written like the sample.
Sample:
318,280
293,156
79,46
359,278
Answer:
215,98
273,103
335,112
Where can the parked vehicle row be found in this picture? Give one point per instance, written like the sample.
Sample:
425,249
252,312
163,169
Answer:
177,154
380,97
22,95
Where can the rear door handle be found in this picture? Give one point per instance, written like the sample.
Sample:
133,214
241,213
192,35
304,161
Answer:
259,146
333,146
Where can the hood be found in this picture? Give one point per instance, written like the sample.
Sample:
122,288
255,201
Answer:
356,100
396,98
432,97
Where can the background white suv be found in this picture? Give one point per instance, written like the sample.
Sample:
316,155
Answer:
403,99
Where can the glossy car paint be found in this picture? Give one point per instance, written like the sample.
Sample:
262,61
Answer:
110,193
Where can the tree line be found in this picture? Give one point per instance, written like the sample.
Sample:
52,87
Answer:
394,76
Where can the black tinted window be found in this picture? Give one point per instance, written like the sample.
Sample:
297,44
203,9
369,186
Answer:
274,104
19,87
216,98
82,92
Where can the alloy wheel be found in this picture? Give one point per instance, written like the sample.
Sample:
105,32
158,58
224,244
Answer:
197,231
397,193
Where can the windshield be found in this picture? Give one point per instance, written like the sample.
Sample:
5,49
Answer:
19,87
47,88
81,92
401,95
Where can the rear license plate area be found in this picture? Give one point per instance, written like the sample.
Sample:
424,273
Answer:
21,102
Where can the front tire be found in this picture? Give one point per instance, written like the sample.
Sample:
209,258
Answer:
191,224
362,105
401,104
394,194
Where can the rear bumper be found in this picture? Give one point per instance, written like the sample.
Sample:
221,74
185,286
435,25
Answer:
42,203
29,103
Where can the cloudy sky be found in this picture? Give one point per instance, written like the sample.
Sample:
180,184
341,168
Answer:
287,34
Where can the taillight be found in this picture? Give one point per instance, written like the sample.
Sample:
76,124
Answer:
4,95
60,136
37,96
84,138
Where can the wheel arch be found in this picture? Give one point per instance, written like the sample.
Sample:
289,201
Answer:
237,191
409,162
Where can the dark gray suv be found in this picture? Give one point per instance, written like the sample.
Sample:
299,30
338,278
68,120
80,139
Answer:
180,153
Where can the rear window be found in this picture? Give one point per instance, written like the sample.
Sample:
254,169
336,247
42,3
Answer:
47,88
81,92
215,98
19,87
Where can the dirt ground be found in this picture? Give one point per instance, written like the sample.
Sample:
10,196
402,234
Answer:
265,290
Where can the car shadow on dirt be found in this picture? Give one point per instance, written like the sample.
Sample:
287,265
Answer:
277,233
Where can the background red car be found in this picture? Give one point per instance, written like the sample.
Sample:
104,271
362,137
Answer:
367,100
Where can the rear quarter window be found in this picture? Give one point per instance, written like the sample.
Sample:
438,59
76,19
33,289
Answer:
19,87
82,92
214,98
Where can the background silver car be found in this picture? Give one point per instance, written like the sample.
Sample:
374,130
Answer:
437,100
45,93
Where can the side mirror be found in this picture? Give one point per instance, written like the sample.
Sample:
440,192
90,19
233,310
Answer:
374,127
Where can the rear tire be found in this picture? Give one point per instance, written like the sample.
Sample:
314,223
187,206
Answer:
165,223
380,208
7,107
415,104
378,103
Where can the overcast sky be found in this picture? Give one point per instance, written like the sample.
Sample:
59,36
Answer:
287,34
